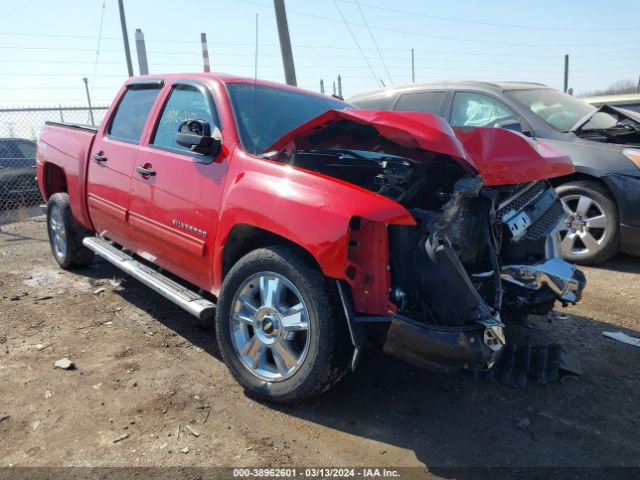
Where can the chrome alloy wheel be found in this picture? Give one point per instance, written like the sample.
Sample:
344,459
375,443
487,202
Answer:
585,228
57,232
270,326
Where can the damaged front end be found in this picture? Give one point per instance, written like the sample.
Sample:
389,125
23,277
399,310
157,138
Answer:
487,256
484,248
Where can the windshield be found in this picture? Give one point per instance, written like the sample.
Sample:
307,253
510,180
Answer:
558,109
264,114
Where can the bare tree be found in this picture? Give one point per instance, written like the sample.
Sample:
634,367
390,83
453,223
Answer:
616,88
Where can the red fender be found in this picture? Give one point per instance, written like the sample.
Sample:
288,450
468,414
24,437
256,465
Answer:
309,209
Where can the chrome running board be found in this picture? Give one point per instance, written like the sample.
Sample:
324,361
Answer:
178,294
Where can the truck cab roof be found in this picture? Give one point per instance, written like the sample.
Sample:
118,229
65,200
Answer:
215,76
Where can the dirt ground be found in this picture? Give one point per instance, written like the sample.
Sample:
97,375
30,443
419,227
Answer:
148,374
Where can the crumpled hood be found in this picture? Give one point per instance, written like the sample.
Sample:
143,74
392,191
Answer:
408,130
504,157
500,156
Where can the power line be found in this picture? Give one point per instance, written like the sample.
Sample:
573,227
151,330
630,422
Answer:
355,40
61,49
31,74
22,87
373,39
95,65
444,37
584,61
313,59
55,35
87,37
79,100
491,24
482,65
315,46
439,74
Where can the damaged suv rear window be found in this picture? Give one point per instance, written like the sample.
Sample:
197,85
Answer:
264,114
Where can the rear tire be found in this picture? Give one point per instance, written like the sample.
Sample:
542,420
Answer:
65,234
591,233
274,355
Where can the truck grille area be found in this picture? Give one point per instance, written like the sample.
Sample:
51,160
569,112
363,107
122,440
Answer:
517,201
547,222
536,200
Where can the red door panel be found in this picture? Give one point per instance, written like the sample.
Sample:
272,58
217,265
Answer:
109,187
174,214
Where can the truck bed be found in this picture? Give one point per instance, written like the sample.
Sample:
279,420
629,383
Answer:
67,146
79,126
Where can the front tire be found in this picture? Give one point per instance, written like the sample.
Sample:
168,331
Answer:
65,234
278,328
591,231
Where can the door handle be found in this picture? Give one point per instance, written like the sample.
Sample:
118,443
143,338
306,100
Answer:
146,172
99,158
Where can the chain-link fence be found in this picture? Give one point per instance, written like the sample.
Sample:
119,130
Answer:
19,129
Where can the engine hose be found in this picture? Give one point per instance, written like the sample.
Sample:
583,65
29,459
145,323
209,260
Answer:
491,244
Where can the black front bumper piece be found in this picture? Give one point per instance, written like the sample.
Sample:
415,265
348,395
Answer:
442,348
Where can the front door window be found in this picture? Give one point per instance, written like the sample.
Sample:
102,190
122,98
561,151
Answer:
478,110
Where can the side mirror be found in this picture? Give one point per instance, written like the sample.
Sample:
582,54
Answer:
519,125
513,125
196,135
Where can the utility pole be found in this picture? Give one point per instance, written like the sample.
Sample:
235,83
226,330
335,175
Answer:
255,58
285,43
340,86
205,52
141,50
125,38
566,73
413,68
321,86
86,87
638,87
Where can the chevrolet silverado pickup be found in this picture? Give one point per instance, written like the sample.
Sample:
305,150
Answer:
306,228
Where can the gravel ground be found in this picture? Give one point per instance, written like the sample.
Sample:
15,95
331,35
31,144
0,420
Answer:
149,388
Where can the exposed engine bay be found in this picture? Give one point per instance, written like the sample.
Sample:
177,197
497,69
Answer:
609,124
478,255
484,246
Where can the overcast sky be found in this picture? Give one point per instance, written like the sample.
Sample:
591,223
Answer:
47,46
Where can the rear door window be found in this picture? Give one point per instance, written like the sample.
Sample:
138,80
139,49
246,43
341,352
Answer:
478,110
426,102
130,117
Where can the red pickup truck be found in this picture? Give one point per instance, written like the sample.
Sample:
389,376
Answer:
308,228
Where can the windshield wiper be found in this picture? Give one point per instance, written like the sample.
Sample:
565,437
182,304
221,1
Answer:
614,112
584,120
